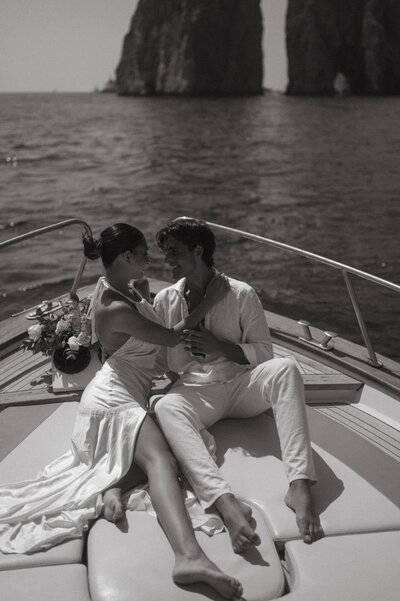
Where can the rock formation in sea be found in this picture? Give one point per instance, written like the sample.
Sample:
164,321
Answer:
359,39
192,47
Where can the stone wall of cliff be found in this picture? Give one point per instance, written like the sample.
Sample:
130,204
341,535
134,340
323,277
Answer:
192,47
358,38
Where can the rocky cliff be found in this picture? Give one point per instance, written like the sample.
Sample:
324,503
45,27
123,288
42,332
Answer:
192,47
358,38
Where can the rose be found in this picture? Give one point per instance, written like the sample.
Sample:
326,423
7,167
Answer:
34,332
73,343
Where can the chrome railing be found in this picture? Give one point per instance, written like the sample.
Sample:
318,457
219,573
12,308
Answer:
345,269
50,228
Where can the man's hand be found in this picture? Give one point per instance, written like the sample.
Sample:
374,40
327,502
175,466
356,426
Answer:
200,341
204,342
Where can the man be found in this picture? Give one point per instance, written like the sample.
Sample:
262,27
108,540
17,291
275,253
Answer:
227,369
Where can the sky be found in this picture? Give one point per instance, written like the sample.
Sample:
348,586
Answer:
75,45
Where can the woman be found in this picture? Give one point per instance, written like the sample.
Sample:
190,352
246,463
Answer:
115,440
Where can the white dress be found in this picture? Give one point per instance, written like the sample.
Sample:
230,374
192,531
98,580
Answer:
67,494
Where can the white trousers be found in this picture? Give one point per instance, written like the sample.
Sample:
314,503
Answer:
187,410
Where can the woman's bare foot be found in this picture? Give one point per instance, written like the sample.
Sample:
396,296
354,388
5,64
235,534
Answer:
299,499
112,510
239,522
201,569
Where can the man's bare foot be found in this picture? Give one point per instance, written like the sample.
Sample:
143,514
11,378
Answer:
113,510
239,522
298,498
201,569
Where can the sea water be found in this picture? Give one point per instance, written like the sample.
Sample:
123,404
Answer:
321,174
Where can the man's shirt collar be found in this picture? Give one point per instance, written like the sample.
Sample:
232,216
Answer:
179,286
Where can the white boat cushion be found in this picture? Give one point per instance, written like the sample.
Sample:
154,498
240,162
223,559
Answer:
360,567
353,493
50,583
134,561
47,442
68,552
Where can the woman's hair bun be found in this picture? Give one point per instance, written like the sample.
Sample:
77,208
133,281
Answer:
91,247
113,241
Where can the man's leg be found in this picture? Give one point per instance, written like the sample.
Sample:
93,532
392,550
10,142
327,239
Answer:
278,384
183,414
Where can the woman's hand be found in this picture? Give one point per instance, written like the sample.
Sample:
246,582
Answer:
218,288
142,285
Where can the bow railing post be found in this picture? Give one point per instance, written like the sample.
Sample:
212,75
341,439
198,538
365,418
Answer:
363,328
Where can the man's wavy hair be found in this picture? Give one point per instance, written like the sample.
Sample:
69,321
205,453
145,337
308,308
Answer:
192,233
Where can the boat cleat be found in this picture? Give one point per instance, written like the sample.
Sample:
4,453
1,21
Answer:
325,344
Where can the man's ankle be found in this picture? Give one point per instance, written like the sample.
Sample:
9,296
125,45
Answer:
300,483
224,501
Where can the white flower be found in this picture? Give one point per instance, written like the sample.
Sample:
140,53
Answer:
62,326
35,332
73,343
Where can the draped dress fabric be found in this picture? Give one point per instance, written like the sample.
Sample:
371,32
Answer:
67,494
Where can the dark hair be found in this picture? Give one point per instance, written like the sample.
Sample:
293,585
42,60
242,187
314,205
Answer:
113,241
191,232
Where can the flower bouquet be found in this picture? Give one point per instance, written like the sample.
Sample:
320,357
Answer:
64,333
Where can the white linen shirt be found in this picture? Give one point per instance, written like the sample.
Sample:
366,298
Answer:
238,318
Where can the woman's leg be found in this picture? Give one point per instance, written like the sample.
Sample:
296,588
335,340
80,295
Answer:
154,458
112,497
